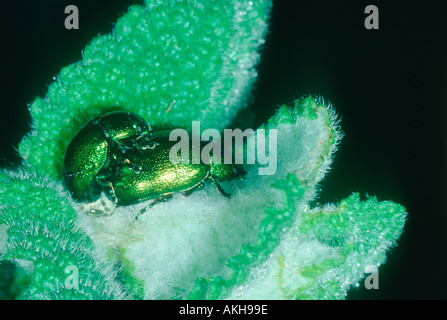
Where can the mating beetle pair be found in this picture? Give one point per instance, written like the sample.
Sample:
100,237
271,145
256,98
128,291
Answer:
117,154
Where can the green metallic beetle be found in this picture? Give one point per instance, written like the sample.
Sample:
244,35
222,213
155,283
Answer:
118,155
92,149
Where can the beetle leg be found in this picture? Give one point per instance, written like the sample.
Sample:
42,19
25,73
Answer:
153,203
109,190
133,167
219,188
145,143
112,194
187,193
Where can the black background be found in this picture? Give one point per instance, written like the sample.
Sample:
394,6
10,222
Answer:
388,86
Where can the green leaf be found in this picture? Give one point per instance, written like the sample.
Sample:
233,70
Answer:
42,240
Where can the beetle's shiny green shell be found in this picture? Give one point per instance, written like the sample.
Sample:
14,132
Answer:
152,174
91,149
